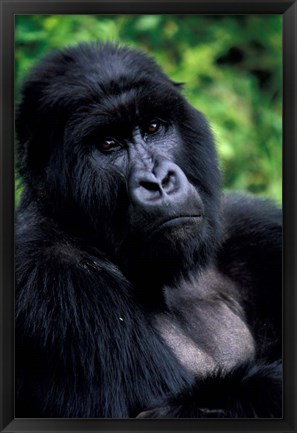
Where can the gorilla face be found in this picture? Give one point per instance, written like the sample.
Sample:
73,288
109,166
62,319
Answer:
131,156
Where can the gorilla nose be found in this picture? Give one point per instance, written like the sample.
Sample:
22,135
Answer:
165,183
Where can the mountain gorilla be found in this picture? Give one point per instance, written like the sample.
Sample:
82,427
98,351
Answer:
141,290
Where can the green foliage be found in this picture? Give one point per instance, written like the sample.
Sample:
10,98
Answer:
231,67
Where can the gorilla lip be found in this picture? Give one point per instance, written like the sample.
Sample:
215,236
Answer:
177,220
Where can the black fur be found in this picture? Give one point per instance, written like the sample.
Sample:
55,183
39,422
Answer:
140,290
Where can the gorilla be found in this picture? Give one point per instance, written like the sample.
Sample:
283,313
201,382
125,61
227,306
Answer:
141,290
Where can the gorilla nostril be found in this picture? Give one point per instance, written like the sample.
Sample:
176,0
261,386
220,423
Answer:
165,182
168,180
150,186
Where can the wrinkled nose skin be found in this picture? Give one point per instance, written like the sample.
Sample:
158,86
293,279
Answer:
165,185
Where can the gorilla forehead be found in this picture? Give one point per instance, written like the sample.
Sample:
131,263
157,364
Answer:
136,103
121,83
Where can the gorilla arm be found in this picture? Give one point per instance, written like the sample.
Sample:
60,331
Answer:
251,255
62,315
249,391
80,336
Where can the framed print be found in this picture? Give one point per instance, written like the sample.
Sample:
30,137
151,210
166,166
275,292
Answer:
148,218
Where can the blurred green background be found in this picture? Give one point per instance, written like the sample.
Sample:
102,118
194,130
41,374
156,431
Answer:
231,67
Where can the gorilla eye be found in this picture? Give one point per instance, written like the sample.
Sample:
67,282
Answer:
108,144
152,127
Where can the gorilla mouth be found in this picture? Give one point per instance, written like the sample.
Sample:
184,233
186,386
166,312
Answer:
177,222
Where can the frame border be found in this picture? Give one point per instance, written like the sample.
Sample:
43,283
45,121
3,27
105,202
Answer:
8,9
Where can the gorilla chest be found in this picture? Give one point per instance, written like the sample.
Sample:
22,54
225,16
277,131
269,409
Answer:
211,335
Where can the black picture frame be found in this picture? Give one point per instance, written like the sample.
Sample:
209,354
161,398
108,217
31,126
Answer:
8,10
